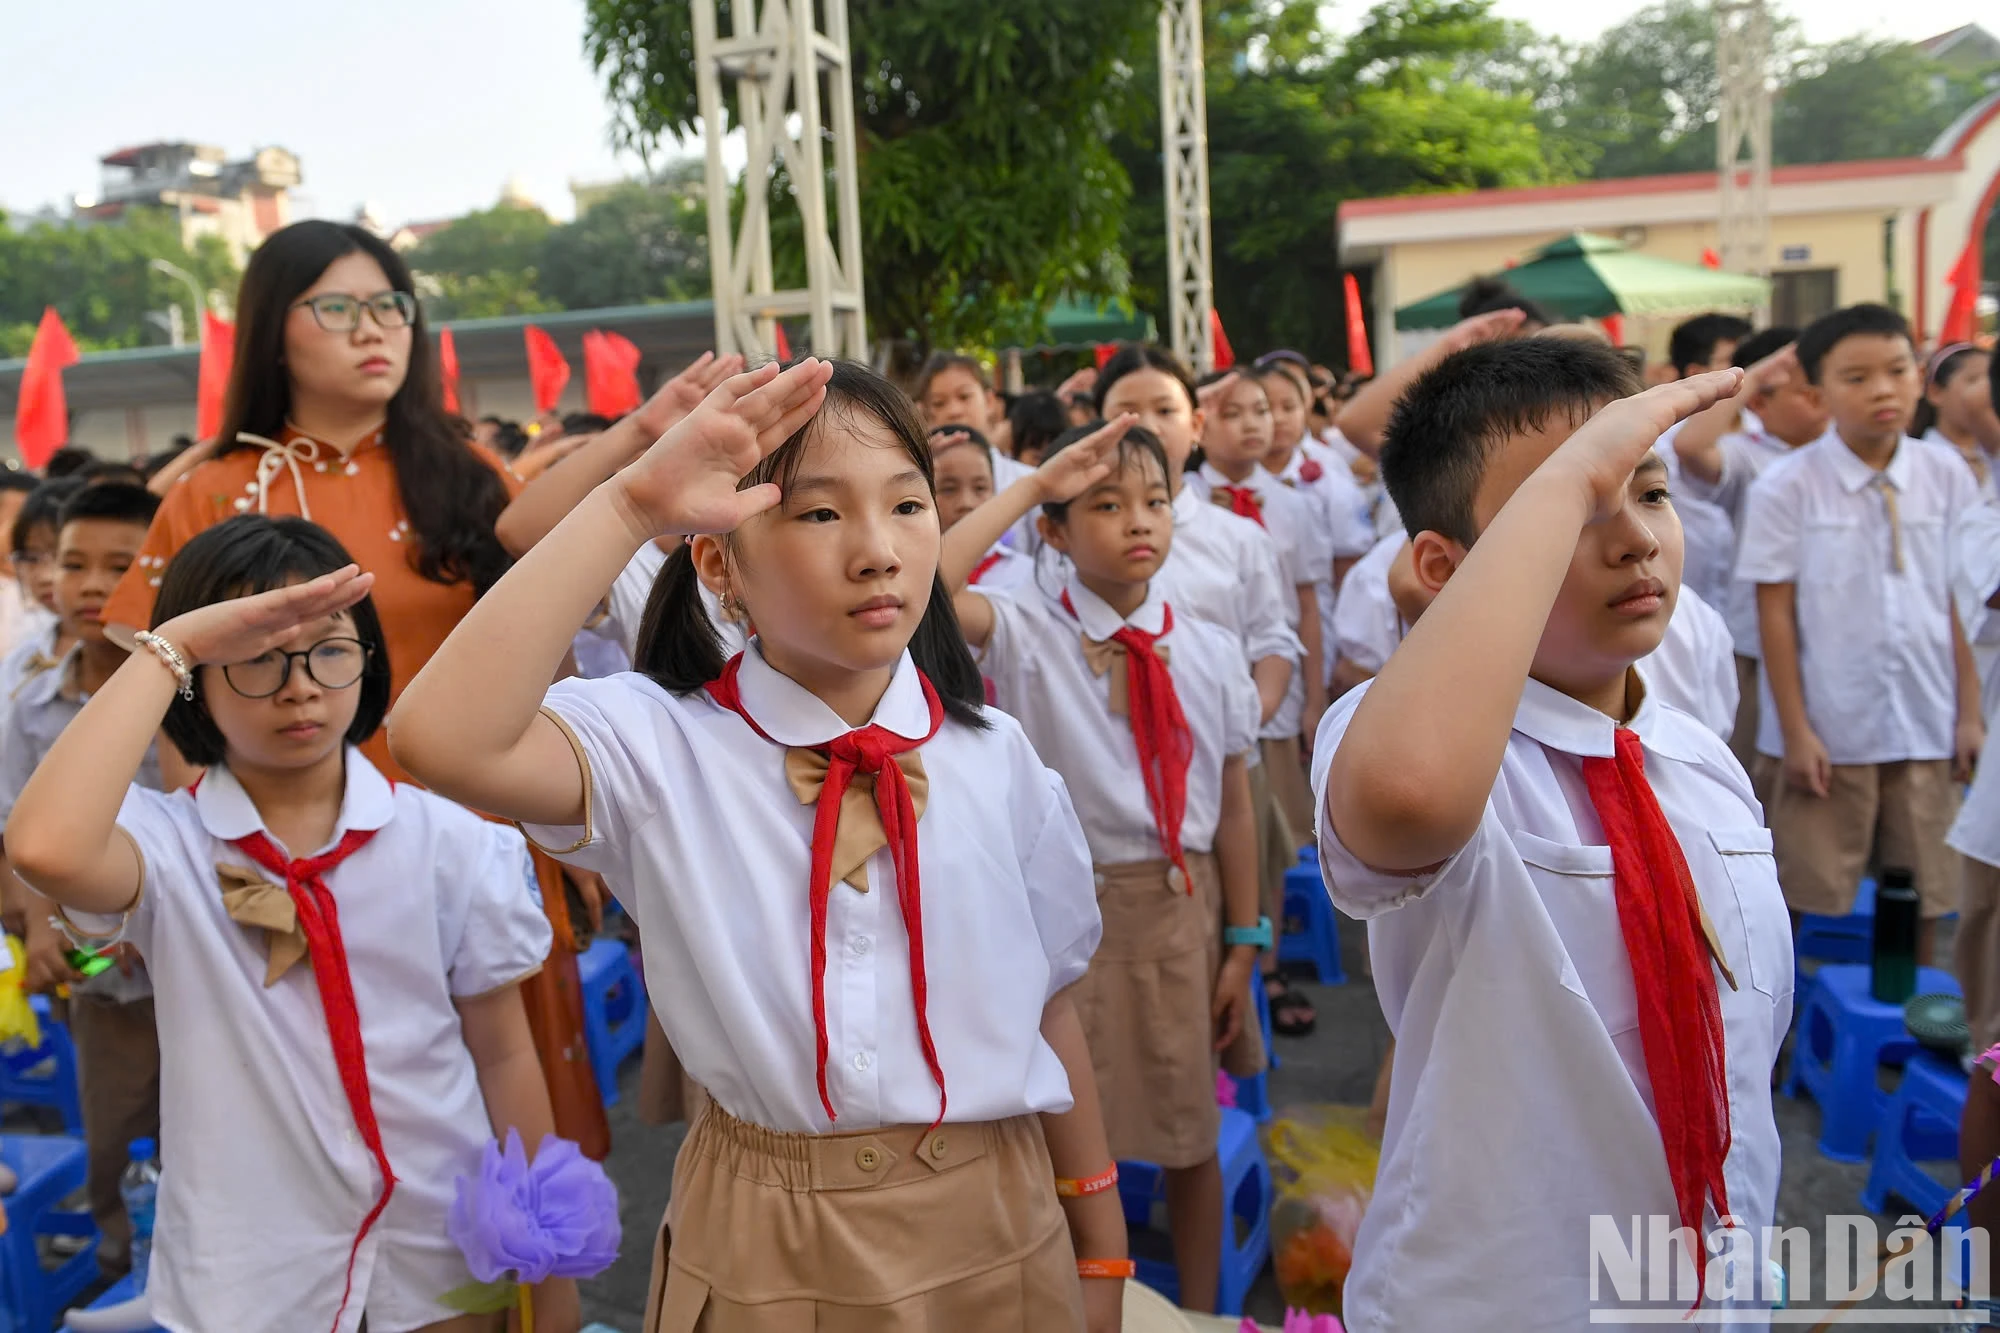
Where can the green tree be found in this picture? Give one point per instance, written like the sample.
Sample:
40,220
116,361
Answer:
988,185
99,279
1298,122
486,264
640,243
1862,98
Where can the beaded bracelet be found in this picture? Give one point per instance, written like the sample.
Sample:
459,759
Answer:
1097,1184
171,658
1118,1268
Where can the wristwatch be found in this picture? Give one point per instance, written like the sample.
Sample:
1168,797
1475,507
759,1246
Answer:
1257,937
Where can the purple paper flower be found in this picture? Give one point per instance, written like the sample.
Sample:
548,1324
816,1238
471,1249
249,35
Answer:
556,1217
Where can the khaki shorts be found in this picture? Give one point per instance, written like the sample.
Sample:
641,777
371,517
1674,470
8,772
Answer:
1743,737
1975,955
1890,814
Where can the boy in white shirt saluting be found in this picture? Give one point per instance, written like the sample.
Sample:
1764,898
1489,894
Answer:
1573,914
1873,695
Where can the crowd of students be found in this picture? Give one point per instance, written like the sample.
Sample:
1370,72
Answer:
948,753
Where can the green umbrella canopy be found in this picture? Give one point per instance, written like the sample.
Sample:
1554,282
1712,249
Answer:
1583,276
1074,323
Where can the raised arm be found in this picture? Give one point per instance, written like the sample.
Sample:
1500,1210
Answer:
542,504
1413,772
1365,416
61,836
470,725
1698,443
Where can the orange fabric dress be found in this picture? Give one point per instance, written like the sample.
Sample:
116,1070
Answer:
355,497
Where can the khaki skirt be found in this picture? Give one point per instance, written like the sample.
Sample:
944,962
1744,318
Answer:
1146,1005
897,1230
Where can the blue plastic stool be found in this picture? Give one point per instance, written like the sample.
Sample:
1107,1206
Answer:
1253,1094
45,1076
1920,1124
1844,1034
614,1011
51,1169
1840,939
1319,942
1247,1193
117,1294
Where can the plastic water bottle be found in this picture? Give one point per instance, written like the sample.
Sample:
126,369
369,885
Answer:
141,1187
1893,959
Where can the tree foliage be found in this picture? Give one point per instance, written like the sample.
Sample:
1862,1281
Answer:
99,279
486,264
987,180
638,244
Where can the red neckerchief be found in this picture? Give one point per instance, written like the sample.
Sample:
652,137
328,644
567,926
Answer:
1680,1009
319,919
1241,501
871,750
1159,731
979,571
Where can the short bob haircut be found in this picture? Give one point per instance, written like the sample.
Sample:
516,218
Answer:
249,554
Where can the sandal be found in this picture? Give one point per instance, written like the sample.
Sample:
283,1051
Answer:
1292,1014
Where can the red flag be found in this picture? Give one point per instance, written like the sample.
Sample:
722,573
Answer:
1614,328
784,343
1105,351
1959,322
218,356
41,417
1360,359
448,369
1225,355
610,374
548,372
1709,258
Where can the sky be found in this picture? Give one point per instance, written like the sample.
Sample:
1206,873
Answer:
425,109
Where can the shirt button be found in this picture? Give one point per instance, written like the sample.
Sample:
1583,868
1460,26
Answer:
861,945
862,1061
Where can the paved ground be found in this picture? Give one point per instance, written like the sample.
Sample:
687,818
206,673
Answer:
1336,1064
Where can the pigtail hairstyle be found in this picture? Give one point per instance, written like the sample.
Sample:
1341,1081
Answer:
678,646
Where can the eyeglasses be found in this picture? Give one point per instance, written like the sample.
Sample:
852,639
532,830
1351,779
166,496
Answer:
338,312
332,664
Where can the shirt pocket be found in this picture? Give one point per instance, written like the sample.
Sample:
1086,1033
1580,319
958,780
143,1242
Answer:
1841,555
1579,893
1767,923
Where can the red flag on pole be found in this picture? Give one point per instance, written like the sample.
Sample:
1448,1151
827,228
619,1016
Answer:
784,343
1105,351
218,356
41,416
448,369
1709,258
610,373
1360,358
548,372
1614,328
1225,355
1959,321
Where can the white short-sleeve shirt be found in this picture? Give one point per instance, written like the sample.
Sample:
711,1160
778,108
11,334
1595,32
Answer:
1504,976
1745,455
1342,515
1694,668
1366,624
692,810
1226,570
263,1156
1975,577
1875,645
1035,658
1002,569
625,604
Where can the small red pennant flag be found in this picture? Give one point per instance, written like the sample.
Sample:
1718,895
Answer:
548,371
1614,328
1225,355
1360,357
218,357
448,369
1960,321
1105,351
610,374
1709,258
784,343
41,416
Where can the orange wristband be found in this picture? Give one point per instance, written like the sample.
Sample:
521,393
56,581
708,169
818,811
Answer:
1109,1268
1097,1184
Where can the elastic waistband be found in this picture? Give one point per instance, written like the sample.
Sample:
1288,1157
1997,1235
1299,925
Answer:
852,1159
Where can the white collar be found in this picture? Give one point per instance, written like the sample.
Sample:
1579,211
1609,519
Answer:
1550,717
1190,501
790,714
227,812
1099,622
1855,475
1256,483
45,687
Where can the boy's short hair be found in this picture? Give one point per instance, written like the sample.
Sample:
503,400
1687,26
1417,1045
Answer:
104,472
1825,333
1450,421
24,482
1037,418
42,509
67,460
113,502
1136,442
1692,342
1751,350
1483,296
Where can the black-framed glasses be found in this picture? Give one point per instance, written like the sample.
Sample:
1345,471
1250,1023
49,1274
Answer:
332,664
340,312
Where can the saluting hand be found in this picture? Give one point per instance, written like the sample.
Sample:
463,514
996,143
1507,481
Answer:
1082,465
241,628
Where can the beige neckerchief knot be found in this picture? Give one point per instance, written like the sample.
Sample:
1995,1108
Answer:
254,901
1107,656
860,834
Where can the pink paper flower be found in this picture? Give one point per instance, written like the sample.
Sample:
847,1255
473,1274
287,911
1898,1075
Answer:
1310,472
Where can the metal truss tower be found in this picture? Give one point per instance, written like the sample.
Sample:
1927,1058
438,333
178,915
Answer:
1743,134
1184,144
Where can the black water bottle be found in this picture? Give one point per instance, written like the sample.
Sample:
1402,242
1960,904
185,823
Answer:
1893,962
